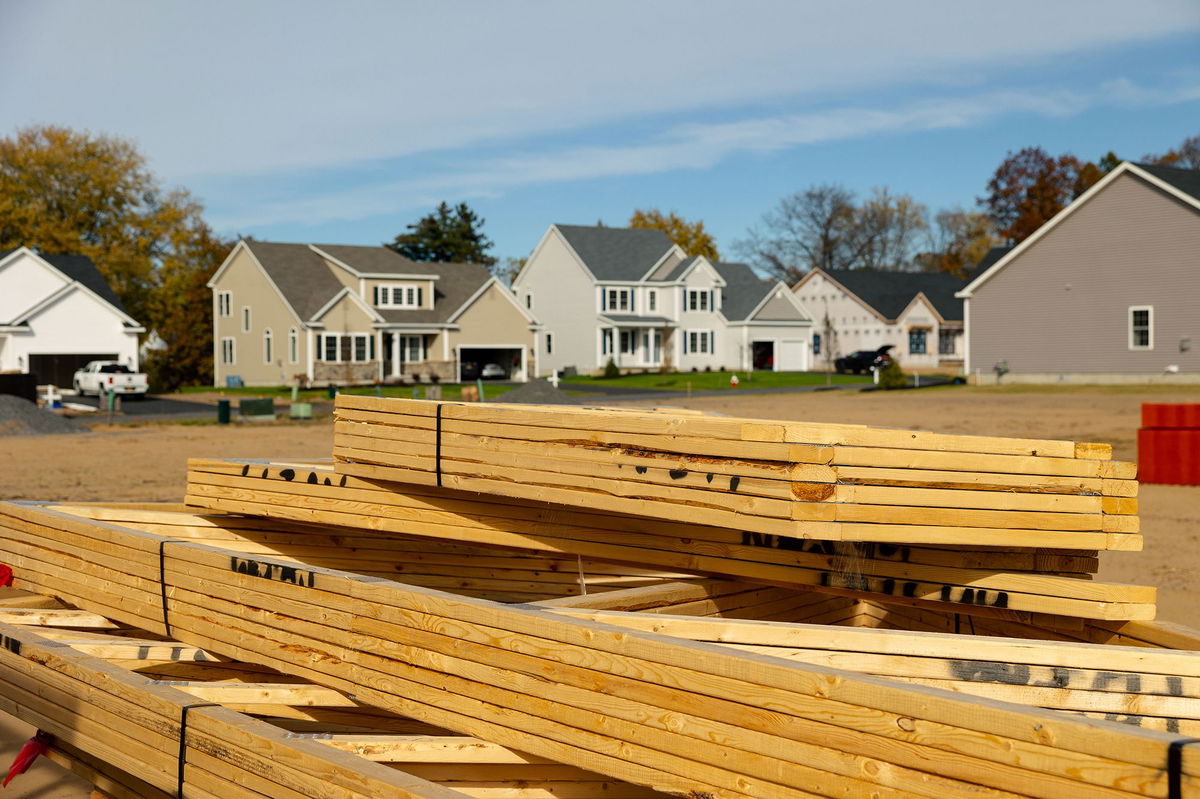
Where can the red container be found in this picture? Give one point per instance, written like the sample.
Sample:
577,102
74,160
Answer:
1169,456
1162,416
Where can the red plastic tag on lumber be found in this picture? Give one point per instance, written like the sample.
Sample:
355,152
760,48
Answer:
6,576
34,748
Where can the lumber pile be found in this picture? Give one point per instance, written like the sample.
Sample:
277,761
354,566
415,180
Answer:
687,717
980,580
798,480
115,708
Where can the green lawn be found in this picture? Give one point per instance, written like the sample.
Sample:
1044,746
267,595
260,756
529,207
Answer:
708,381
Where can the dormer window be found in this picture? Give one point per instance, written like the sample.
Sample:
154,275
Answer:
399,296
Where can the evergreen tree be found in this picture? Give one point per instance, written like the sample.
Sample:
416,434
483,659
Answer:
447,235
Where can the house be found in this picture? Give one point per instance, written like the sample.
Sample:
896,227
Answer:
633,296
57,312
864,309
1104,292
342,314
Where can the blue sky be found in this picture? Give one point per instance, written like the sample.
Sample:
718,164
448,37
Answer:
344,122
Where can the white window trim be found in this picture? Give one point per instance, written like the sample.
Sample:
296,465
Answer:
268,346
386,294
245,318
1149,309
232,360
224,304
293,345
322,338
651,300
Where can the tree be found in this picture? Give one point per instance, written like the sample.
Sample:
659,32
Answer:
62,191
958,241
447,235
1185,156
807,229
691,237
1029,187
887,230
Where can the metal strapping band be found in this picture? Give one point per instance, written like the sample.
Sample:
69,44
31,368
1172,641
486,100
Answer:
183,742
162,584
1175,766
437,464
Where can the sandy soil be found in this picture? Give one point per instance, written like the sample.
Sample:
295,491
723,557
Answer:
148,463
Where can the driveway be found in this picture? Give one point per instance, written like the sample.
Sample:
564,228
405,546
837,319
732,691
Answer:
149,409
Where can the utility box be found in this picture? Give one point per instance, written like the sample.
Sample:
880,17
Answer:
257,410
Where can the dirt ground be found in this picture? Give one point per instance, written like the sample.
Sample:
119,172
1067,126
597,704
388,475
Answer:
148,463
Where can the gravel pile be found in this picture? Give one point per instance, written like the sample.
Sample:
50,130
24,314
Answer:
20,417
538,392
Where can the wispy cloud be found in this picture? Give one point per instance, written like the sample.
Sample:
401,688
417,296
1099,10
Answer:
689,146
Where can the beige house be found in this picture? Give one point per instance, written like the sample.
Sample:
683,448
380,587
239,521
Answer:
1105,292
341,314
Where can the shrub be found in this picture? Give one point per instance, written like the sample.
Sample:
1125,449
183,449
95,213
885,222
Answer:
892,376
611,369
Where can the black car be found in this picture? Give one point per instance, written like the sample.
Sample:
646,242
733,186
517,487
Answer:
863,361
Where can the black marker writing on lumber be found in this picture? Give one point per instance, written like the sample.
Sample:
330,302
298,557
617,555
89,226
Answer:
272,571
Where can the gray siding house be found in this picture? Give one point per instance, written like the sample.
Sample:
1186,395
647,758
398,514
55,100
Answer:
1108,291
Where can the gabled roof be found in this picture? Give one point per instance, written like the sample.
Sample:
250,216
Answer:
985,263
301,275
614,253
889,293
1186,180
80,268
1183,184
456,284
368,261
744,290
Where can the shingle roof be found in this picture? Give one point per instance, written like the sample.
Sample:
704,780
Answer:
985,263
455,285
1186,180
376,260
614,253
301,275
82,269
889,293
744,290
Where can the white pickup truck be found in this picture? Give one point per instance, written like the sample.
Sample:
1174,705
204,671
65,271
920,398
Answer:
100,377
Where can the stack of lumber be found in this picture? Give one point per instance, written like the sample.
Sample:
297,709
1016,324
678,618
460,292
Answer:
688,717
798,480
974,579
115,707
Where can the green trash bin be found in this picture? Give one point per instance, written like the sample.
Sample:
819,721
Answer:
222,411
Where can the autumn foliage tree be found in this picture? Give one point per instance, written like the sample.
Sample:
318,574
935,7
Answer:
65,191
1185,156
959,239
691,237
1031,186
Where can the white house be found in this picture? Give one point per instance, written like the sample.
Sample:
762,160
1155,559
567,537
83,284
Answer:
57,312
635,297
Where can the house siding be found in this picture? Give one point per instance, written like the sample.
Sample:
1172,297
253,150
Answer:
1062,306
250,287
565,302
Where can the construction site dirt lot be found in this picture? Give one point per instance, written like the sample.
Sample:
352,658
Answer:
147,463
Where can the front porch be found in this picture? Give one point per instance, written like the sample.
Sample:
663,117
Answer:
637,343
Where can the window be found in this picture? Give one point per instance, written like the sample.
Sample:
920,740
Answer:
224,303
916,340
652,300
816,343
629,342
617,300
268,349
699,341
227,352
245,318
606,341
346,347
529,300
946,341
549,343
293,346
398,296
698,300
412,349
1141,327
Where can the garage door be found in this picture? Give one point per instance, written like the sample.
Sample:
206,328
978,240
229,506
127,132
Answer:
58,368
482,361
792,355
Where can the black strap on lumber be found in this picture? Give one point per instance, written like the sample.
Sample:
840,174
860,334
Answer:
1175,766
437,451
183,742
162,580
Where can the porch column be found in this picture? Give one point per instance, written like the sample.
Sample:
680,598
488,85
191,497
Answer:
395,354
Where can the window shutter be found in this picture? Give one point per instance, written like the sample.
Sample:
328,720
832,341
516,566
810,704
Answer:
371,356
712,302
633,300
685,342
712,342
375,295
420,297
